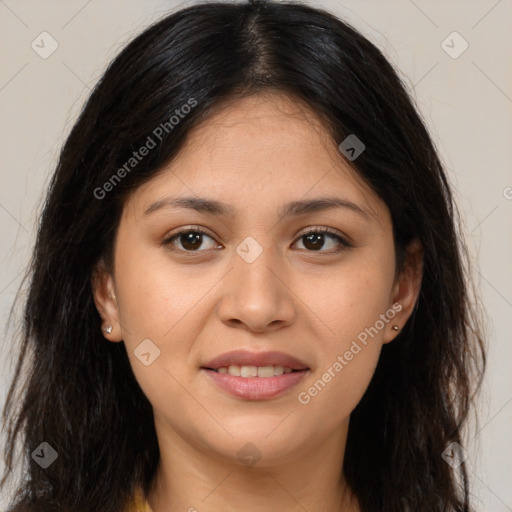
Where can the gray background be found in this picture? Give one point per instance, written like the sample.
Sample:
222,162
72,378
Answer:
466,101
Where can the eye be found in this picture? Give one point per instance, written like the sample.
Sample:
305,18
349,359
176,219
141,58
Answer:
190,240
315,239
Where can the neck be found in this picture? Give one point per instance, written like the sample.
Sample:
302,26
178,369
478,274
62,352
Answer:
194,479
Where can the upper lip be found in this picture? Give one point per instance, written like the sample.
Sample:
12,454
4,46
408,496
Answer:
248,358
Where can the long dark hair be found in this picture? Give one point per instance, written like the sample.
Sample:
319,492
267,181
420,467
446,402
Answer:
75,391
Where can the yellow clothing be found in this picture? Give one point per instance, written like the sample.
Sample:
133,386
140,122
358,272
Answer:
139,503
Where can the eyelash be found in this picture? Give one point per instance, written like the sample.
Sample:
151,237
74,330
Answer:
343,243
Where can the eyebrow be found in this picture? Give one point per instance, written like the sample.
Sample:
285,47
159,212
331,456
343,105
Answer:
294,208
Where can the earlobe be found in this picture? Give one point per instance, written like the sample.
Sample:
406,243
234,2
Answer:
393,326
102,284
407,287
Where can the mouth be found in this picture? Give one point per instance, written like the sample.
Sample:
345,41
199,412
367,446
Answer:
253,364
255,376
254,371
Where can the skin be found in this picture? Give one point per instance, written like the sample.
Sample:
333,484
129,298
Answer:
256,155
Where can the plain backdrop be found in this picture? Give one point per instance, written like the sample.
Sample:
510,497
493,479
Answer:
464,96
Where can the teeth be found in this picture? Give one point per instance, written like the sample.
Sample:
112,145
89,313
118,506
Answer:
248,371
278,370
265,371
234,370
254,371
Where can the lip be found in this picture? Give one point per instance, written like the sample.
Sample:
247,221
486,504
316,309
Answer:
248,358
256,388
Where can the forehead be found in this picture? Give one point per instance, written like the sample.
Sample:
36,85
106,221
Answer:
260,150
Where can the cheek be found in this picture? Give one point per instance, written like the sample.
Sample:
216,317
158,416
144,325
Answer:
352,296
347,356
335,390
157,294
352,306
161,304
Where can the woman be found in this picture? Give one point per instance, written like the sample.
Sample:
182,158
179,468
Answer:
248,284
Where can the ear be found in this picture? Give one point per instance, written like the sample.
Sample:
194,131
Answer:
105,300
406,289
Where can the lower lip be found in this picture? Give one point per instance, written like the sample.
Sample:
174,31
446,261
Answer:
256,388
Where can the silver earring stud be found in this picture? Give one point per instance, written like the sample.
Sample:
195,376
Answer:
108,329
396,328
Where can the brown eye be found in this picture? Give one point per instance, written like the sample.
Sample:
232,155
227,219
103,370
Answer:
190,240
315,240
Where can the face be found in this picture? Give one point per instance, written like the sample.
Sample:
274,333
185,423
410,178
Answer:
200,280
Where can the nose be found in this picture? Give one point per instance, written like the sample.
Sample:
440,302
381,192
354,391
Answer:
255,295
